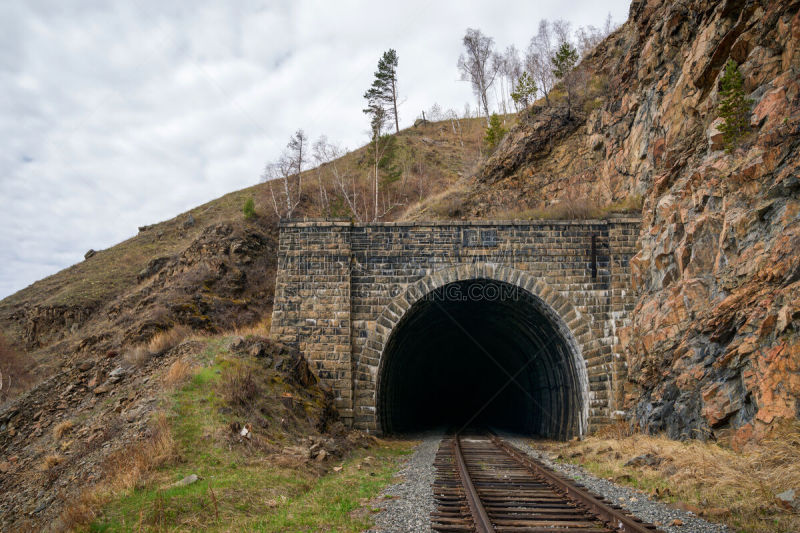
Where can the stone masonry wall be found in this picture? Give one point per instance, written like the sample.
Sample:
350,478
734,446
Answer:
336,281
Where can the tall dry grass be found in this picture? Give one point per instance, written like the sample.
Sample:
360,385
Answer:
259,329
168,339
122,471
736,487
61,429
178,372
160,343
572,209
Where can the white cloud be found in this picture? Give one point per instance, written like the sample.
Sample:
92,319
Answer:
118,114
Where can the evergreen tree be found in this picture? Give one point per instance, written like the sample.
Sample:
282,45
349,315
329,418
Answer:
734,108
525,90
249,208
495,131
383,92
563,68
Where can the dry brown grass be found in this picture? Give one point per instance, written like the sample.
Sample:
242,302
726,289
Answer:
166,340
51,461
260,329
572,209
163,341
178,372
122,471
138,356
61,429
738,488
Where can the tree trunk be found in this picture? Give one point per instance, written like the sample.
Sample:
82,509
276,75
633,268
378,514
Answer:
375,217
394,102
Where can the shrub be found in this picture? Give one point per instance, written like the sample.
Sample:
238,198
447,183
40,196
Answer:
734,108
249,208
525,91
239,388
494,132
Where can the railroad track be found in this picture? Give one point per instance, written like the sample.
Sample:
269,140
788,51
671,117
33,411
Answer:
484,484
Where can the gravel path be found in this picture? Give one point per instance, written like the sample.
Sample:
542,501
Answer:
633,500
411,503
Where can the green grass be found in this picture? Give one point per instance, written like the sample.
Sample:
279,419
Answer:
241,487
335,500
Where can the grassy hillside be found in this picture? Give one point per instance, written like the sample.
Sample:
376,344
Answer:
211,268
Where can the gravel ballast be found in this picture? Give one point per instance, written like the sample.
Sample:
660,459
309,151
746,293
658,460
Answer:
635,501
410,501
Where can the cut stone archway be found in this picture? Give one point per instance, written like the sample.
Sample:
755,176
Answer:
342,287
536,334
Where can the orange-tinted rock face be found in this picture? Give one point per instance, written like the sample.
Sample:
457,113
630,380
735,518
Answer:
713,348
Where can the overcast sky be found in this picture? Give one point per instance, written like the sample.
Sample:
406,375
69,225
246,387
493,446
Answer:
119,114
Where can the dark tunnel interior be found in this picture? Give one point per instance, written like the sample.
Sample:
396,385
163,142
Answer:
480,353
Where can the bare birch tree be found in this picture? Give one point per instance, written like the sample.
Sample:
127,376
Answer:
328,156
512,70
321,157
537,58
478,65
285,175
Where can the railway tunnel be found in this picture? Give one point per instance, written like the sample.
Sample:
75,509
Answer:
482,353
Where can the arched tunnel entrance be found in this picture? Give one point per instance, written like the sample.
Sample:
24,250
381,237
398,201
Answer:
482,353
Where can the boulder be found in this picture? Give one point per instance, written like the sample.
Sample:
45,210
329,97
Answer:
714,134
788,500
646,459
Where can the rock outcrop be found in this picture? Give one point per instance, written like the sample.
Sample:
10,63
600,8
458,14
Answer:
713,350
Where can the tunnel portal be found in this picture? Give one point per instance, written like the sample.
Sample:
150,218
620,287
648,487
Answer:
380,312
481,353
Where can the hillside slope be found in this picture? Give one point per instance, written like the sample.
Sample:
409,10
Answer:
208,268
103,333
713,350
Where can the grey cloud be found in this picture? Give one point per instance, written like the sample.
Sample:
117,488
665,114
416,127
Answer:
117,114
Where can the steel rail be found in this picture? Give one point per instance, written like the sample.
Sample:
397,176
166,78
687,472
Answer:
479,516
614,518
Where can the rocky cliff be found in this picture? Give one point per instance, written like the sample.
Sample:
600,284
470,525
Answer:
713,349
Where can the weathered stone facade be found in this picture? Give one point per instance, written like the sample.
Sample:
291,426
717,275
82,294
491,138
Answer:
342,287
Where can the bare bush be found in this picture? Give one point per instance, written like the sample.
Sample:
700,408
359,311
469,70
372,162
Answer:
239,388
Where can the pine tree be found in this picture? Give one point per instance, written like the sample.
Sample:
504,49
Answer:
495,131
383,92
734,108
563,66
249,208
525,90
